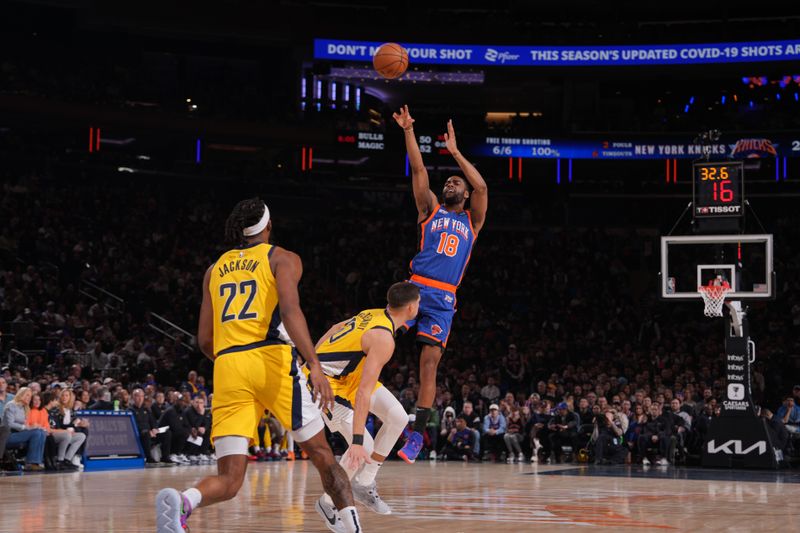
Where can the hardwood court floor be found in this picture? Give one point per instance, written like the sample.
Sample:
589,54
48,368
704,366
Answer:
430,497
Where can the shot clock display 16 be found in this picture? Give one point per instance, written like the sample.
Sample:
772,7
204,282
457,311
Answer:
718,189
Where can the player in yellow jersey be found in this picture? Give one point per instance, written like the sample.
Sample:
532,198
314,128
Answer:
250,323
352,354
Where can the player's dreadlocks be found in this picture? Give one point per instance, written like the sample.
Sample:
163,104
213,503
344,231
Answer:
245,213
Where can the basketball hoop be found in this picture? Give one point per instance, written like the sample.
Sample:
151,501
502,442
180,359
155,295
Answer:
713,297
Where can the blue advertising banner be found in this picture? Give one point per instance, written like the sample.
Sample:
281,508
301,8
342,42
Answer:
640,148
568,56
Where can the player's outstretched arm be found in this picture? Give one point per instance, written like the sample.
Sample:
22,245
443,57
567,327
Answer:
288,269
205,325
479,198
378,344
423,195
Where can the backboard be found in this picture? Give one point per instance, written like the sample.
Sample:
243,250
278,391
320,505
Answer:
744,261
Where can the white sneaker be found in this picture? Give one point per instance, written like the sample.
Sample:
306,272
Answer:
369,497
204,460
178,460
194,459
212,459
645,462
534,459
662,462
432,456
330,515
184,458
509,459
76,460
520,458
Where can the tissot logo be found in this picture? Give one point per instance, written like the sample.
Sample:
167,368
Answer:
734,447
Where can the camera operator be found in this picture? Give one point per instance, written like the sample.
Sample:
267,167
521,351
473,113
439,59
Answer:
609,428
563,430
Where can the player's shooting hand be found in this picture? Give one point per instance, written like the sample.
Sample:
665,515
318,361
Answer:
403,118
357,456
450,138
323,394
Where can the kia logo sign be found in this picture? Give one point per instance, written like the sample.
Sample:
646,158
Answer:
734,447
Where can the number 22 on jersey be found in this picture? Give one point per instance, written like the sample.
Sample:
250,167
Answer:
247,288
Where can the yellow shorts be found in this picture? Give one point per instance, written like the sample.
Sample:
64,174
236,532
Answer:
347,387
247,382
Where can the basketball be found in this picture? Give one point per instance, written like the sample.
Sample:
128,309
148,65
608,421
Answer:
390,61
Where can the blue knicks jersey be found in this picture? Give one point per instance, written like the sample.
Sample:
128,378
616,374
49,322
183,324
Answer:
445,245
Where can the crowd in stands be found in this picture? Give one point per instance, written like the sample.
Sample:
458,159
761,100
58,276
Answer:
559,351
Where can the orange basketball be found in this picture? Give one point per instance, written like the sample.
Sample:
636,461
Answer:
390,61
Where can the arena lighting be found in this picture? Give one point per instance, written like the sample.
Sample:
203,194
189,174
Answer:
558,171
796,97
197,152
723,99
510,168
691,100
569,167
346,92
416,76
303,90
784,168
358,98
406,165
686,108
519,169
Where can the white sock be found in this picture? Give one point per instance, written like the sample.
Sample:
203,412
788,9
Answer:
194,497
327,499
276,448
368,473
349,517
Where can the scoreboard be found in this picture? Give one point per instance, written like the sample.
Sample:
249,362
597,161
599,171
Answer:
718,189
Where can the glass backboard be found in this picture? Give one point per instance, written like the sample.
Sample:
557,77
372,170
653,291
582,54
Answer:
743,261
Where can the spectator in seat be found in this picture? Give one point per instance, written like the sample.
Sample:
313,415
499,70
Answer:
5,396
781,440
159,405
448,423
609,429
563,430
102,400
73,430
190,385
657,433
65,440
146,423
474,423
494,430
199,427
179,429
460,442
514,437
789,414
490,392
15,417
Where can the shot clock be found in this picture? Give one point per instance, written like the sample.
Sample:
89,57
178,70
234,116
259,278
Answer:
718,189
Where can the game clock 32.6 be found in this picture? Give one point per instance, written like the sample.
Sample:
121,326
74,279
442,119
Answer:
718,189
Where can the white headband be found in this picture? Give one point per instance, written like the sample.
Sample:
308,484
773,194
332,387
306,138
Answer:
259,227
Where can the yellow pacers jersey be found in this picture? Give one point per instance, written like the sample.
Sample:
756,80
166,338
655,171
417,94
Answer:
341,356
244,297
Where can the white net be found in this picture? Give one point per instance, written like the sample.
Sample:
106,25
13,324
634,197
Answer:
713,298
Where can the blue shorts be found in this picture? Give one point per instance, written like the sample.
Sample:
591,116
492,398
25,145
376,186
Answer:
435,318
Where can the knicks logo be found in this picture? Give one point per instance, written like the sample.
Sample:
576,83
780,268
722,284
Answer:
753,148
436,330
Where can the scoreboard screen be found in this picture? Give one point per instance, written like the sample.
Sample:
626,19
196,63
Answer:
718,189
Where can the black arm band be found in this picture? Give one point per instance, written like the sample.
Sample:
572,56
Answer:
358,439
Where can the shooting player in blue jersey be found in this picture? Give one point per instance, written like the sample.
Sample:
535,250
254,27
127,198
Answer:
447,233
